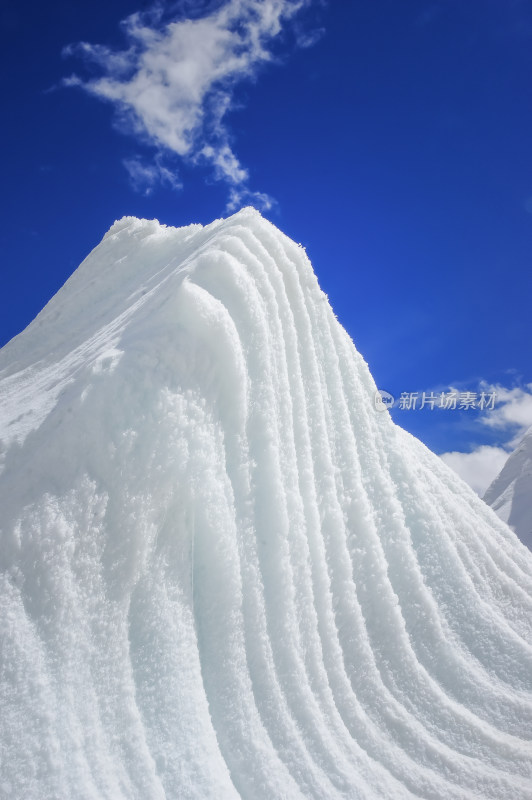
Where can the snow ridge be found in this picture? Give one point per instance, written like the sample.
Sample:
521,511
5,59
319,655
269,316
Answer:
224,573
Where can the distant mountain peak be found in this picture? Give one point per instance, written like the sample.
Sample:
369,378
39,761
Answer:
510,494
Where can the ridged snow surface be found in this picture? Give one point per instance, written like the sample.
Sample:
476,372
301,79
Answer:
510,494
225,574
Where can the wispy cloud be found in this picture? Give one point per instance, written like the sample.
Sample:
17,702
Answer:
144,177
511,418
173,85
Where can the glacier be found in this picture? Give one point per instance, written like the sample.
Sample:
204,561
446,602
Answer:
225,573
510,494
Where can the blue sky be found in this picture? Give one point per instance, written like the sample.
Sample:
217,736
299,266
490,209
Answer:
392,139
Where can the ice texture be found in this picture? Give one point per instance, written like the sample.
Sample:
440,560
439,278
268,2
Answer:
510,494
224,573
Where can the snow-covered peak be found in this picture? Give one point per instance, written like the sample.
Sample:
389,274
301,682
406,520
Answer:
224,572
137,265
123,266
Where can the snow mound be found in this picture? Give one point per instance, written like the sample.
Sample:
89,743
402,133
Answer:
510,494
226,574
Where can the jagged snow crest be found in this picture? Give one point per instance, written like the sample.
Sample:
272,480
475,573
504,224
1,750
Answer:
224,573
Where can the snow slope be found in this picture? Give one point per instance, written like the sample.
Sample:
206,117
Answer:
225,574
510,494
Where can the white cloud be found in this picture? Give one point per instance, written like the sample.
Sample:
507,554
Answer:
511,417
512,412
478,468
173,85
